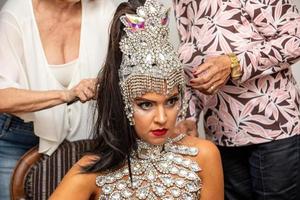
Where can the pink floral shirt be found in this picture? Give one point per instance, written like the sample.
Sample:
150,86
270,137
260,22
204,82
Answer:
265,34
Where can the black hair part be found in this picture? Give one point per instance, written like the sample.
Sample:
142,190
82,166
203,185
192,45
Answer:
115,138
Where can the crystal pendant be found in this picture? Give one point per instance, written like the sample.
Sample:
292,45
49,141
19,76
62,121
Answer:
121,185
180,182
187,196
107,189
151,175
168,197
192,186
167,180
127,193
115,196
143,192
175,192
159,189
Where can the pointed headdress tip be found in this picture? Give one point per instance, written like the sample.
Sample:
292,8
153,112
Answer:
149,62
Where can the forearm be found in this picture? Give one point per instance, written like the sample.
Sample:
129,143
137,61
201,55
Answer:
269,57
14,100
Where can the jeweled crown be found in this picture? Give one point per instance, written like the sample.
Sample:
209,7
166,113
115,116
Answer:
149,62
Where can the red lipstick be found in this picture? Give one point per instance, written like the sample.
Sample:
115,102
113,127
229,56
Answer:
159,132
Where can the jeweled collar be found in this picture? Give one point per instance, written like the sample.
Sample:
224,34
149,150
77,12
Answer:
148,151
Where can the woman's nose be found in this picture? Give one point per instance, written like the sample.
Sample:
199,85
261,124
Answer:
161,116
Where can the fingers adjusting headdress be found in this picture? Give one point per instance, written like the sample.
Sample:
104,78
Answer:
149,62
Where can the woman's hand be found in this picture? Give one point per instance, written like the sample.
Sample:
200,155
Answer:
212,74
84,91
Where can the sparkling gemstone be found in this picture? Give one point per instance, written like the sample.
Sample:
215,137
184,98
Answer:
107,189
175,192
115,196
195,167
151,176
110,179
192,176
121,185
161,56
167,180
193,150
136,167
183,173
178,159
192,187
170,156
148,59
159,189
136,183
102,197
143,192
141,12
127,193
180,182
126,171
168,197
187,196
118,175
100,181
182,148
186,162
174,170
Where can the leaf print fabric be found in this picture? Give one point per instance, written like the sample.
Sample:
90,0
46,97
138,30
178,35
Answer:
264,105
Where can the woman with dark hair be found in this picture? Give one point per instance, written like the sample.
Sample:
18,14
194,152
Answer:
50,54
140,96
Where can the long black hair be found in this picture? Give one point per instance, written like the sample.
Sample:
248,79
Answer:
115,138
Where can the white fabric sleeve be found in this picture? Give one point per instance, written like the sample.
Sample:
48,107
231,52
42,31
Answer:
11,51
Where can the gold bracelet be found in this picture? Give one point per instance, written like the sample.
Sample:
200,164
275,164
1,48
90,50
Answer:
236,72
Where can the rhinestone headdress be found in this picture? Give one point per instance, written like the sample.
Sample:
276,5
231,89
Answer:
149,62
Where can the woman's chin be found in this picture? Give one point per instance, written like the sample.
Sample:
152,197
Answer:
155,140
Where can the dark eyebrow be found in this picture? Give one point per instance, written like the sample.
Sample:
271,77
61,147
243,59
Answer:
173,95
143,99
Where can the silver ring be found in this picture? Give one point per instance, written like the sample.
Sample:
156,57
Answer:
212,87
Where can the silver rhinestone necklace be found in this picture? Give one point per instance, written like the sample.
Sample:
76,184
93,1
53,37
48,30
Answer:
158,172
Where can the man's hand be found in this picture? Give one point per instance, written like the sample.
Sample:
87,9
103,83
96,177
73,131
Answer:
212,74
186,126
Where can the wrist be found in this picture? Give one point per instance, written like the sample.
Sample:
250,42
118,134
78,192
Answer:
65,96
235,66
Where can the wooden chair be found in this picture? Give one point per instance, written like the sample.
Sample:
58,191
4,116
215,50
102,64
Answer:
37,175
20,172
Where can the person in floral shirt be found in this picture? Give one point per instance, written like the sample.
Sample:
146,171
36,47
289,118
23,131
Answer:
238,56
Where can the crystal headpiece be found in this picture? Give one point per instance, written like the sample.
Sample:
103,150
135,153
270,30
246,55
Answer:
149,62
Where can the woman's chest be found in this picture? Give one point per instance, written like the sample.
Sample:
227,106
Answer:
173,177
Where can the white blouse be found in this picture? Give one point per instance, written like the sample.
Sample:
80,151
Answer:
23,65
64,72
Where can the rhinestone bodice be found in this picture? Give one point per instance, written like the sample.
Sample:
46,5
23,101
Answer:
158,172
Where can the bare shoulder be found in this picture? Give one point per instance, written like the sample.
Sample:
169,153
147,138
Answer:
208,151
206,148
77,184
